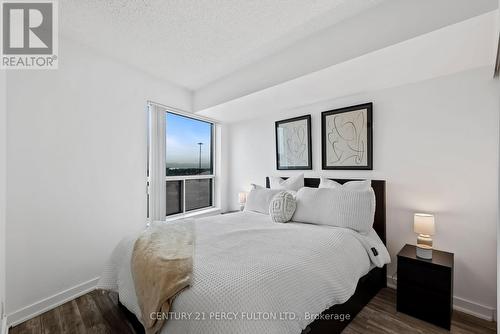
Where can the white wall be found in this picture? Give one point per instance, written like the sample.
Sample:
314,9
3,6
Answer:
3,151
498,219
222,166
76,171
436,144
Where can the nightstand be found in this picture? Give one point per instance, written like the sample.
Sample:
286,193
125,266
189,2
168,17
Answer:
425,287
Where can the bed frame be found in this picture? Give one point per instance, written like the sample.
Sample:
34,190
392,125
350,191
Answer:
368,285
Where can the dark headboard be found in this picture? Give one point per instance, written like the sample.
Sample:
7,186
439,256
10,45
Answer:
379,189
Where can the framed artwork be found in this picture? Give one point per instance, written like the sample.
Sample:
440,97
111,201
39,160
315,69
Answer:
293,143
346,138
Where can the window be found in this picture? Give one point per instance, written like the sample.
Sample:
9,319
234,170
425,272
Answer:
181,155
189,163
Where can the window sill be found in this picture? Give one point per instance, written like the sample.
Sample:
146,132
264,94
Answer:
196,214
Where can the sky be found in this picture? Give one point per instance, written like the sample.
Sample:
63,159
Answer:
183,136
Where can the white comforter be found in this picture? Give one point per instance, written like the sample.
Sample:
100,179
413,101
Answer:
248,270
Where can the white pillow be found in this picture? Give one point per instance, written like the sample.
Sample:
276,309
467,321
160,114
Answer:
351,185
259,198
282,207
256,186
336,207
293,183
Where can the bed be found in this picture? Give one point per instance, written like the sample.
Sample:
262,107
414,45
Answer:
279,276
368,285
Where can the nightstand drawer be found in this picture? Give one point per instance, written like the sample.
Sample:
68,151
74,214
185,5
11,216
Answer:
420,274
425,304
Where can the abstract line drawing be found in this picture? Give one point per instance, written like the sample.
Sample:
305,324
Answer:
293,140
347,138
295,144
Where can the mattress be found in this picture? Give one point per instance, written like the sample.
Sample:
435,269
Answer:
251,275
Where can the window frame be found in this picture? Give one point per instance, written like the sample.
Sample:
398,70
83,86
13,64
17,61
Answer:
182,178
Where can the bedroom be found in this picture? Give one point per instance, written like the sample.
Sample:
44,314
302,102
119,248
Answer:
228,78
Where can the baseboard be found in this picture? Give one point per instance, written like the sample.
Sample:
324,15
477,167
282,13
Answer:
51,302
460,304
391,282
4,329
472,308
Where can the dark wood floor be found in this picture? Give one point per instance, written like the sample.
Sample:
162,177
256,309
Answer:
380,317
98,312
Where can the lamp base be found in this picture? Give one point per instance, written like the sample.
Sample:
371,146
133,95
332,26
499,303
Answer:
424,240
424,252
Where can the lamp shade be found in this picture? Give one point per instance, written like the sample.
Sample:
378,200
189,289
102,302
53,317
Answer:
242,197
423,223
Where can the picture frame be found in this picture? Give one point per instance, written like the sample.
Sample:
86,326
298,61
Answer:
293,143
347,138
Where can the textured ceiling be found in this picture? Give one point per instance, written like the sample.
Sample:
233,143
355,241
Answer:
194,42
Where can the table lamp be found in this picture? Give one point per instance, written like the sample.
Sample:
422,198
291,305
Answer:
423,224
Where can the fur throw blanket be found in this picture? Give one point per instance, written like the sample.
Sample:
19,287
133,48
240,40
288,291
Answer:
162,266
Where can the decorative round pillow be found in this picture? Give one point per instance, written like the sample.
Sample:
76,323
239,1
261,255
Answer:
282,207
